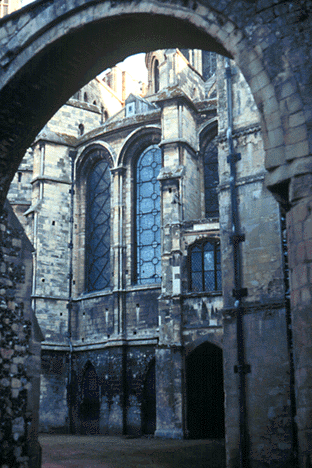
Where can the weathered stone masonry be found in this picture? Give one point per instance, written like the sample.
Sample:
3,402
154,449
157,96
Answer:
20,349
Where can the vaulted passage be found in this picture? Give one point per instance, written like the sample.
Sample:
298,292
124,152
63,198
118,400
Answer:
205,395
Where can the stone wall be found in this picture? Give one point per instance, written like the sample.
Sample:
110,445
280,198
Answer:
20,338
120,375
268,409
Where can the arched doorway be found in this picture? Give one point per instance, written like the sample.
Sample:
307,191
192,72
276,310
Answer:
149,401
90,401
205,394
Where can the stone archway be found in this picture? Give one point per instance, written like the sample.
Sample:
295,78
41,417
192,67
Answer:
50,44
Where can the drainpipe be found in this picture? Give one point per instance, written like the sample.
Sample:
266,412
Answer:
238,292
72,155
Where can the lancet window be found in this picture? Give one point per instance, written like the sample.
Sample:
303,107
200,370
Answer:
148,253
98,227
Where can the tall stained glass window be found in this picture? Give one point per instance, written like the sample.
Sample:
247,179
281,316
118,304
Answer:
205,266
148,216
211,180
98,227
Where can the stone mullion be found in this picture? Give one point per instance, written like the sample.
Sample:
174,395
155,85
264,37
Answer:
118,247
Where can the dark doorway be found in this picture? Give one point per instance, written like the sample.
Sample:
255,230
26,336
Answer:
149,402
90,401
205,393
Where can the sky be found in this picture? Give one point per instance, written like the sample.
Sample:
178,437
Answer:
135,65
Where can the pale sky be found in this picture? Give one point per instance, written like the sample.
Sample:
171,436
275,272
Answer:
135,65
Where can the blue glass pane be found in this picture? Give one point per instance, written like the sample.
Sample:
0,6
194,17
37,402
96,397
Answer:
146,188
146,174
148,216
196,261
147,237
98,228
146,205
209,281
146,221
209,260
219,281
197,284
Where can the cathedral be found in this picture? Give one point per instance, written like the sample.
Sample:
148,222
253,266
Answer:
155,207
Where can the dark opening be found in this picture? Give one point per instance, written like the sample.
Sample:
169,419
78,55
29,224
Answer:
149,402
156,76
81,129
205,393
90,402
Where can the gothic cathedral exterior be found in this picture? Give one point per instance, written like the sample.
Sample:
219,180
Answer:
128,288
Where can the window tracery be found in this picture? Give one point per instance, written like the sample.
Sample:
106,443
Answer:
148,253
205,266
97,244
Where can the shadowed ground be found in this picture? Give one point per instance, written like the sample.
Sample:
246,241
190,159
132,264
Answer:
70,451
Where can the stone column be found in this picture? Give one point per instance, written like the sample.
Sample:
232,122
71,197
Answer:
299,234
118,268
169,372
169,353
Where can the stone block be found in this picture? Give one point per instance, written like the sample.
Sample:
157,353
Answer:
275,157
16,383
297,119
307,229
295,135
294,103
7,353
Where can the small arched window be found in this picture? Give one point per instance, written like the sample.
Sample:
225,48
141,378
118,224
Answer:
156,76
98,227
81,129
205,266
148,254
85,97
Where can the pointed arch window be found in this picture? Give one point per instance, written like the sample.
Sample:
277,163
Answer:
98,227
205,266
148,254
211,180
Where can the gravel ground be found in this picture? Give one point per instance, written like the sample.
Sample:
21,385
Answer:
59,451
